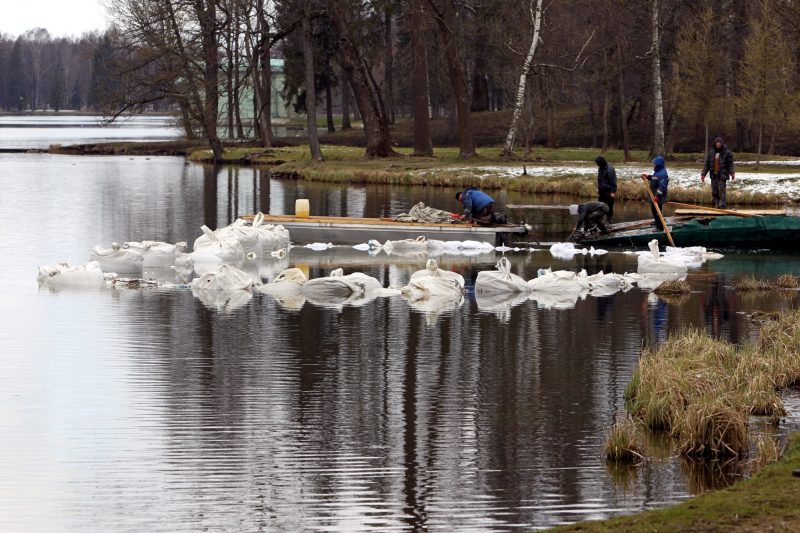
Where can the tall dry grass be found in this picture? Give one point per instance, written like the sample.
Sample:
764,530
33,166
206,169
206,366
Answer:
701,390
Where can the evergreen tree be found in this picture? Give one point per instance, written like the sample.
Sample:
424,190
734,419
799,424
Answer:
76,101
58,91
102,85
766,95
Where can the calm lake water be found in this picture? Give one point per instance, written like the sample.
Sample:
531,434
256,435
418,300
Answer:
40,131
151,410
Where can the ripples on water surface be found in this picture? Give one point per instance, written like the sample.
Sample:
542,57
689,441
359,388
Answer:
146,410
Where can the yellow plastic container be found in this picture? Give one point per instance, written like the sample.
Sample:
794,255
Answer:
301,208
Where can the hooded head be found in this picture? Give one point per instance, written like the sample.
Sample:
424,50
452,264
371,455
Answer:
720,141
601,161
658,163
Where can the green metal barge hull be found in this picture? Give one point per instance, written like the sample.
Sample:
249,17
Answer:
773,232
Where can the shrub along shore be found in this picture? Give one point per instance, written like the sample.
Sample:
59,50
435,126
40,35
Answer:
346,164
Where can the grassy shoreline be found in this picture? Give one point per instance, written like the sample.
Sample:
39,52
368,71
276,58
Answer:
346,164
769,501
700,391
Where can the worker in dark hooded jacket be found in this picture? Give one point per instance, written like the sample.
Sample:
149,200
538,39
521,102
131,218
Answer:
659,181
606,184
590,216
719,162
477,205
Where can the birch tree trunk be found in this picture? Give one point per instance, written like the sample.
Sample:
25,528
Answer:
536,17
658,98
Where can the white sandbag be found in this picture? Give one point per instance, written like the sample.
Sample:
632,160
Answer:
432,305
281,235
318,246
222,300
338,285
225,278
249,238
654,263
432,270
601,284
286,284
558,282
222,244
650,282
156,254
428,287
500,280
563,250
63,275
118,259
467,248
712,256
416,246
363,247
500,304
550,300
566,250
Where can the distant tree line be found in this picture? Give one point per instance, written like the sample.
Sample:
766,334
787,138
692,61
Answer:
662,74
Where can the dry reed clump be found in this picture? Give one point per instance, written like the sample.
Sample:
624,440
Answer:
787,281
750,283
622,443
713,427
701,390
677,286
767,453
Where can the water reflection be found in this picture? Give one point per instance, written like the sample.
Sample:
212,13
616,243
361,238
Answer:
154,410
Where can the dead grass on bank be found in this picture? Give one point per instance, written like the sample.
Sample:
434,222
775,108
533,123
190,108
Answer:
673,288
701,390
623,443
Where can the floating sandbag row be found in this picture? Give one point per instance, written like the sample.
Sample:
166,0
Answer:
133,257
423,246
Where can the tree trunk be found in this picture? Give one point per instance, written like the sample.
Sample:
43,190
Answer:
592,121
311,98
422,125
658,100
389,64
623,115
446,20
229,78
705,145
480,85
237,82
345,89
329,107
367,93
606,113
536,17
760,140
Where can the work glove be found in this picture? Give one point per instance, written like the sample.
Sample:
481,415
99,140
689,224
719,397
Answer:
733,177
613,195
703,178
644,177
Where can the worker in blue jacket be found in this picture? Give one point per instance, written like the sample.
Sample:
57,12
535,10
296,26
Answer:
477,205
659,181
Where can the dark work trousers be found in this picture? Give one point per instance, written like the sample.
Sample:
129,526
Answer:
718,190
605,197
484,216
595,218
660,200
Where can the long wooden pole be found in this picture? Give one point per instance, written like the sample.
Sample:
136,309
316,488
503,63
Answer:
713,210
658,211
